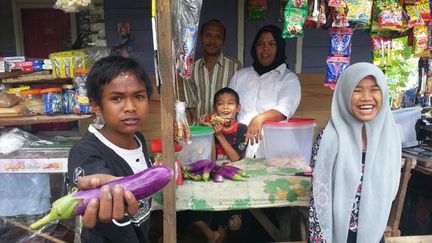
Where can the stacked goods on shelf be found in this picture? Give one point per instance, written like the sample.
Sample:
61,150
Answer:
42,92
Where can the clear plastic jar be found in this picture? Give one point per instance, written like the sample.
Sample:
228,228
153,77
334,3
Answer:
52,100
32,101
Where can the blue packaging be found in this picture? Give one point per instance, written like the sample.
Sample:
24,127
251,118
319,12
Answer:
68,98
52,99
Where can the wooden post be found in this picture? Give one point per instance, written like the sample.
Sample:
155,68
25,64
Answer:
164,28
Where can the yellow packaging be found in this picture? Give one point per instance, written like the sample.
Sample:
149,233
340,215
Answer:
64,63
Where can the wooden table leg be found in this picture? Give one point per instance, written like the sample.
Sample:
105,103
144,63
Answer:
398,203
266,223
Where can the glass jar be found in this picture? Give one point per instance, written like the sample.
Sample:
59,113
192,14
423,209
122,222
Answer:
32,101
68,98
52,100
81,102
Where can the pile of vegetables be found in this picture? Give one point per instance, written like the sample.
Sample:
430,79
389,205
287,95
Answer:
204,170
142,185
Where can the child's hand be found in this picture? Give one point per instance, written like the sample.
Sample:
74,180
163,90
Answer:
111,203
205,121
218,129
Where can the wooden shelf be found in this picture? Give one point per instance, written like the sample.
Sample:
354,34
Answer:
28,120
34,79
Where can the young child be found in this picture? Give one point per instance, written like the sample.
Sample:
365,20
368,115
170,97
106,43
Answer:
119,93
229,133
229,145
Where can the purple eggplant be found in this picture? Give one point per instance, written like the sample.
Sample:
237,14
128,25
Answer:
216,177
196,166
236,170
229,173
142,184
207,170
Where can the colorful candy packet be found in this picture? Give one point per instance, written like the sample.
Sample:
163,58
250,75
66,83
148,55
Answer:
413,15
381,51
294,21
340,42
421,41
360,11
335,67
389,15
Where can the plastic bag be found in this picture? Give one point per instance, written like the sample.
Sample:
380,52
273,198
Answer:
15,139
8,100
72,6
187,14
181,127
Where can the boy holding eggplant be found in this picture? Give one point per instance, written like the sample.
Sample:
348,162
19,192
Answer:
228,144
119,92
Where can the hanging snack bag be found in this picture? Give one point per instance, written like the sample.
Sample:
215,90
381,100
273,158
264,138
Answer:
340,19
423,6
257,9
413,16
82,104
421,41
389,15
335,67
294,21
181,127
381,51
360,11
186,55
337,3
340,42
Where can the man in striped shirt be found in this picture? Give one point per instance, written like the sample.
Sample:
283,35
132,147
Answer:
210,73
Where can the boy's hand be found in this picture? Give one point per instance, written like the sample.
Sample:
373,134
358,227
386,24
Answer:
204,120
218,129
111,202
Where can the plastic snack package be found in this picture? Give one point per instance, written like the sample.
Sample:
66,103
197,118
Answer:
381,51
72,6
294,21
414,17
340,19
181,127
257,9
421,41
340,42
335,67
359,11
185,31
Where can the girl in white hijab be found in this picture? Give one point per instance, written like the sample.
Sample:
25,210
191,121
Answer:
357,167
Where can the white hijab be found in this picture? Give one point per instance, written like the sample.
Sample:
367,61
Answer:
338,167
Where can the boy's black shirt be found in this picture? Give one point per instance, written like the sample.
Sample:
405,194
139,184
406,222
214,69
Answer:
235,137
91,156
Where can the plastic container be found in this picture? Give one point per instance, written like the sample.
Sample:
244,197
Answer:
156,148
406,119
52,99
68,98
201,145
289,144
32,101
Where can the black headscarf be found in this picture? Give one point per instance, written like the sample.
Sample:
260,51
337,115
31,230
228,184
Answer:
280,52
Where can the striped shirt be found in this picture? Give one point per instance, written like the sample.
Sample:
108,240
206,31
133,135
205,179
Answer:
203,84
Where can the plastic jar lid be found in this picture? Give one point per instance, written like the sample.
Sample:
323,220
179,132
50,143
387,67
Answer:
81,71
31,92
67,86
51,90
201,129
292,122
156,146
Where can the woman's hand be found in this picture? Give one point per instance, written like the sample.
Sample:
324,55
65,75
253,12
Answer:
111,203
253,134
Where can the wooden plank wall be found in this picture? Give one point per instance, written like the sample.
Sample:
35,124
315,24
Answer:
7,36
315,103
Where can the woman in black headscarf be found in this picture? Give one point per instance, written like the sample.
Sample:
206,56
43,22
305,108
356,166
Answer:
268,90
